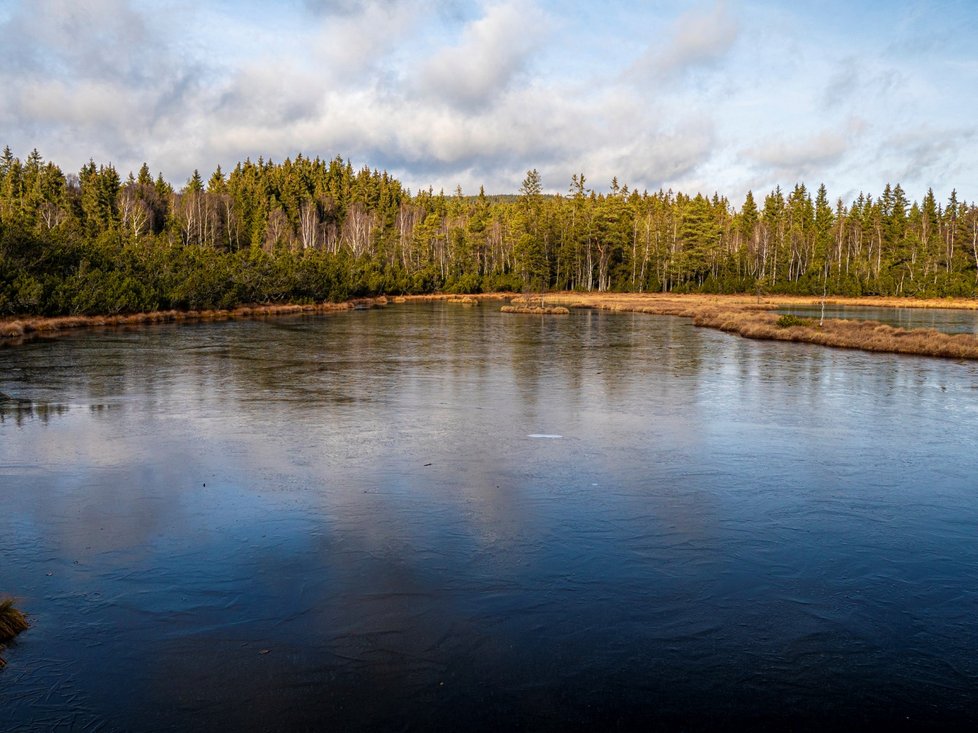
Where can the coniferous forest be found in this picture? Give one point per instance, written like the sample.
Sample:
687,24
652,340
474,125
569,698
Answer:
310,230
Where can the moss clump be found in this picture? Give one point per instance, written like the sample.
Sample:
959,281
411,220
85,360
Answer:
788,320
12,621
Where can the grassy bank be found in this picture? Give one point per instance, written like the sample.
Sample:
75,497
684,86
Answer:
19,329
747,315
751,317
536,310
453,298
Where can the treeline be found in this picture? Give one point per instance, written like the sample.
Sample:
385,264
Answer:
311,230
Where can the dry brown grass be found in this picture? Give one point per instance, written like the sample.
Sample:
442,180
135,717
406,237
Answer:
16,330
557,310
11,329
845,334
749,317
463,300
12,621
450,297
879,301
668,301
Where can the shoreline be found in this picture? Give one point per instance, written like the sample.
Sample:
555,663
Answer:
752,317
23,328
747,315
13,330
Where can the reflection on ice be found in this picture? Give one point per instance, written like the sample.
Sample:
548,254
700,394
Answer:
722,525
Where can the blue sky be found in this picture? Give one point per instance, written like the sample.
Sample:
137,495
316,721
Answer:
721,95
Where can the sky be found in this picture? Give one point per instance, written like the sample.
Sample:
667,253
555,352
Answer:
715,96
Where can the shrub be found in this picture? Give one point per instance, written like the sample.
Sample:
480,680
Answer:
788,320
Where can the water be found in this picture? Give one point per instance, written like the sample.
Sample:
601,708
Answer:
436,516
946,320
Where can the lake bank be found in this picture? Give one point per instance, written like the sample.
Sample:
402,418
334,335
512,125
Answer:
14,330
747,315
752,317
18,329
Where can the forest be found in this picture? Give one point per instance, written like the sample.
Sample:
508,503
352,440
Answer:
307,230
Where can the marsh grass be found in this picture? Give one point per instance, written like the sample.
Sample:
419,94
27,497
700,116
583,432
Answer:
555,310
743,315
747,315
451,297
790,321
12,621
846,334
18,329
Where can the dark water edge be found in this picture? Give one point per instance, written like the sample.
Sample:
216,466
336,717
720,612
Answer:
342,523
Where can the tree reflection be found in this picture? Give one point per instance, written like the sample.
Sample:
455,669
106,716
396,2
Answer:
21,410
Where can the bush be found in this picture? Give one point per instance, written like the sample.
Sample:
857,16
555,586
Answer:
788,320
467,283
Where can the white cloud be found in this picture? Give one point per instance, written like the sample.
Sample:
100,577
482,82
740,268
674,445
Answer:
858,84
85,104
90,79
928,153
802,156
476,92
101,38
698,38
355,48
489,53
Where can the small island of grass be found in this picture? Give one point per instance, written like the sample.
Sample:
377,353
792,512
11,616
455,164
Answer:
752,317
12,622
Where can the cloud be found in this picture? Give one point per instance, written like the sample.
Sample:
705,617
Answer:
89,75
106,39
800,158
355,48
256,94
698,38
336,7
491,51
661,159
476,92
853,83
926,153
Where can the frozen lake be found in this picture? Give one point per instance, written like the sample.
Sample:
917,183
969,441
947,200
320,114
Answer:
430,515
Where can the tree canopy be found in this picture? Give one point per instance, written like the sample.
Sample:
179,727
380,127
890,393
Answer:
311,229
